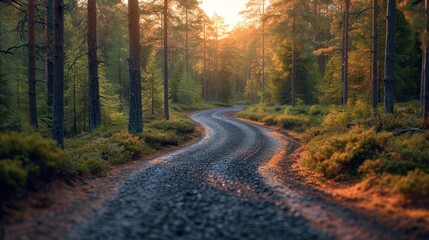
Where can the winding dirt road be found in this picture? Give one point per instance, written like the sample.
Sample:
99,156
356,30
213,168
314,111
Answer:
221,188
210,190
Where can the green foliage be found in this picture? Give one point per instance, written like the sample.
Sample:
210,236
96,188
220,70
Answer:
296,123
194,106
360,153
288,117
131,143
189,91
340,156
153,89
350,144
13,177
180,125
26,161
156,137
42,157
414,186
95,155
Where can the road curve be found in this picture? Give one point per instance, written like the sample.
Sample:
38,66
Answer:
210,190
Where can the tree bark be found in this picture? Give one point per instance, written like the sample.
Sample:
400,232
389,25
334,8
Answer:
187,44
263,50
374,56
166,98
293,56
422,79
204,62
389,58
94,92
50,53
345,71
32,63
135,123
216,64
426,67
58,93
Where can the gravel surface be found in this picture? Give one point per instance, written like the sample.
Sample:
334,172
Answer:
211,190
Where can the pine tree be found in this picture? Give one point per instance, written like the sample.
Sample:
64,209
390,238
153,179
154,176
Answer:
94,92
135,123
58,93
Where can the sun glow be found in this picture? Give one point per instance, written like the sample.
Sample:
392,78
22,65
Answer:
227,9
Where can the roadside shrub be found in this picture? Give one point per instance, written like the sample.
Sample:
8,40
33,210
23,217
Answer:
297,123
93,157
297,110
96,166
196,106
389,122
270,120
13,177
26,161
361,152
340,156
158,137
180,125
414,186
318,110
40,157
132,144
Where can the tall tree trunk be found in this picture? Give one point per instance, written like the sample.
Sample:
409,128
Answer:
94,92
18,94
374,56
50,52
345,71
75,108
389,58
135,123
216,64
426,67
422,79
166,109
58,93
293,56
204,61
32,63
187,45
263,50
152,94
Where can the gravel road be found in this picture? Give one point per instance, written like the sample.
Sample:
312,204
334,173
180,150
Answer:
210,190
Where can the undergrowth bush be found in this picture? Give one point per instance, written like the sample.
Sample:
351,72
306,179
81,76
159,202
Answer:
296,123
340,156
156,137
26,161
415,185
350,144
180,125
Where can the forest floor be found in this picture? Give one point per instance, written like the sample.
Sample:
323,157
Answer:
408,220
